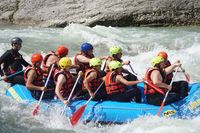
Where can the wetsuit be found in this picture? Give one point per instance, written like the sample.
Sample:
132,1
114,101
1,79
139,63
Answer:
12,61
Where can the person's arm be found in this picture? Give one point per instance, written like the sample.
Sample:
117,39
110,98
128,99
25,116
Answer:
86,81
6,56
24,62
83,59
29,84
121,79
171,68
60,81
52,60
157,80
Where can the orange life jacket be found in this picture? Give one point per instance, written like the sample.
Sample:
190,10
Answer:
83,66
44,67
39,80
113,86
148,89
68,85
95,83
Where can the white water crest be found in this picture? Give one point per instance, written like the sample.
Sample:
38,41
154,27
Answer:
139,45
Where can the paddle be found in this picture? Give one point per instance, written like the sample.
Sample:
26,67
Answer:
187,76
79,76
163,102
12,75
77,115
35,111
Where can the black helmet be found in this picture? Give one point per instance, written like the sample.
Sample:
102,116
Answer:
16,40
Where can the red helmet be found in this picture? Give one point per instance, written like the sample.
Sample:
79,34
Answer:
62,51
163,54
37,57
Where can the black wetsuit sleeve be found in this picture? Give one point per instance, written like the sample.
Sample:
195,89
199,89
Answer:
6,57
25,63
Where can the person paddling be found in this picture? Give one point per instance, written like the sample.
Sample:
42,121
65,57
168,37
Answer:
116,54
82,58
33,76
156,75
63,79
93,80
12,61
116,85
53,58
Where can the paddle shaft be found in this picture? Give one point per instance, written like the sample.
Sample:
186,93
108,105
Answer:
13,74
163,102
37,107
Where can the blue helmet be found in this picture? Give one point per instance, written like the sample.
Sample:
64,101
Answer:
86,46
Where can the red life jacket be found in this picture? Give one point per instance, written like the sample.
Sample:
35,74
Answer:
148,89
44,67
113,86
68,85
83,66
39,80
168,77
95,83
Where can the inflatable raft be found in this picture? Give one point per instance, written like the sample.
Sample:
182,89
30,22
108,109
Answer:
119,112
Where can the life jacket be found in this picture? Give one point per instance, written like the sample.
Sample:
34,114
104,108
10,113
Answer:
83,66
68,85
37,82
16,65
111,85
148,89
95,83
44,67
168,77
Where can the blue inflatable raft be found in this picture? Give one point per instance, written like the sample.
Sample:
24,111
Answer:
120,112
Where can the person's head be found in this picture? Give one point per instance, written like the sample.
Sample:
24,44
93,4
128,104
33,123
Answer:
163,55
115,65
62,51
95,63
65,63
87,48
158,61
116,52
36,59
16,43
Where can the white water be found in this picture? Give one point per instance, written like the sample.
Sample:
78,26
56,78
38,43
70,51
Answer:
139,46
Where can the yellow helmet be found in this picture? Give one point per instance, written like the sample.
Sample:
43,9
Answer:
114,65
65,62
115,50
157,60
95,62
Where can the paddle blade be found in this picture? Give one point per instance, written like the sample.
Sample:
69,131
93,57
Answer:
77,115
35,111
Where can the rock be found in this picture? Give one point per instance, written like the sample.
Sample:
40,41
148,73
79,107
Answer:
59,13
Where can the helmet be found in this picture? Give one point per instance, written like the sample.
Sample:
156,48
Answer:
62,50
115,50
157,60
37,57
86,46
65,62
115,65
163,54
16,40
95,62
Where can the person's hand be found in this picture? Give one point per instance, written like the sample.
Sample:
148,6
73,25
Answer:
66,102
4,77
43,88
169,87
92,94
126,62
177,64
